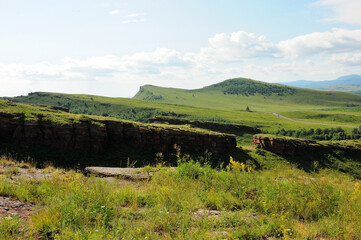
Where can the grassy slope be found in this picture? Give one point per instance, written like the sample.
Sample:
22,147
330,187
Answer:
341,117
209,103
343,88
213,96
131,109
33,112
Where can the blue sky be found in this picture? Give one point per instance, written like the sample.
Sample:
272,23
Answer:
112,47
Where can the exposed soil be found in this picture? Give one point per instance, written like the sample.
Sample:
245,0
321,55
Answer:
28,173
300,121
122,173
12,207
290,119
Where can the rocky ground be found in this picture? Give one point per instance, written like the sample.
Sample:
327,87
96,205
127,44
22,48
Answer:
122,173
12,207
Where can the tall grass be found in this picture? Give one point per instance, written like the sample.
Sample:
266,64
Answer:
283,202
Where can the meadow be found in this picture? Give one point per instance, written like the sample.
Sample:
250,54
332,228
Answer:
193,201
212,107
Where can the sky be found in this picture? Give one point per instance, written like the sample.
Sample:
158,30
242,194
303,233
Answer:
113,47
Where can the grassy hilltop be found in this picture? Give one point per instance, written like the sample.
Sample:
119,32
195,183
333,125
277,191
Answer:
238,93
223,102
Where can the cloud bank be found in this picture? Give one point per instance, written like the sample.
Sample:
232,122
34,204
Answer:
346,11
317,55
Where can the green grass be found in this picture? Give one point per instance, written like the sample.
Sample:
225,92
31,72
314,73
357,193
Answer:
280,202
223,102
30,113
337,116
237,94
139,110
259,196
111,156
343,88
343,156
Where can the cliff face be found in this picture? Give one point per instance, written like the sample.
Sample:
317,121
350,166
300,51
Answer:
282,146
214,126
298,147
91,135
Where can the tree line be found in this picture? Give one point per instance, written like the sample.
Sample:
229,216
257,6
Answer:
321,134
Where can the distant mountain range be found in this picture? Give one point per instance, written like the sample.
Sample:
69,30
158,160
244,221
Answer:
349,83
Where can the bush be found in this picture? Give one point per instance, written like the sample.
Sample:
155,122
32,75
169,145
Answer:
321,134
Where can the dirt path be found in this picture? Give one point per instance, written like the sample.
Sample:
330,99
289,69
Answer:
294,120
300,121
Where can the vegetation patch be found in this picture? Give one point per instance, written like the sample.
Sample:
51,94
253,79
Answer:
236,129
192,202
321,134
246,87
310,155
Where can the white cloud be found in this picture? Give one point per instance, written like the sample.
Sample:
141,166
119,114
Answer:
236,47
347,11
133,15
339,40
113,12
240,46
134,18
159,57
312,56
351,59
133,21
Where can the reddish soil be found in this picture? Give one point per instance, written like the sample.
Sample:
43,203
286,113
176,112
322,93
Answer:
12,207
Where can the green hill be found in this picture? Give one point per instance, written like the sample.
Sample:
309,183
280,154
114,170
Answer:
223,102
237,94
140,110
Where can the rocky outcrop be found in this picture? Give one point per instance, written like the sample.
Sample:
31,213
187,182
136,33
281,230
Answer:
133,174
213,126
283,146
298,147
98,134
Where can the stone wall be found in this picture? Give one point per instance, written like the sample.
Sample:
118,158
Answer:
97,135
214,126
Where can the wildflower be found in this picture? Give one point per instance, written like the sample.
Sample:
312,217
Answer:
242,166
238,167
356,192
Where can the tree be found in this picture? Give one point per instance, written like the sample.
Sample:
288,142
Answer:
247,109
